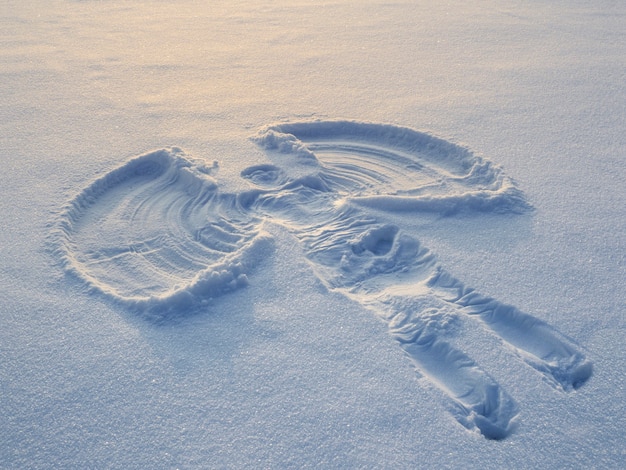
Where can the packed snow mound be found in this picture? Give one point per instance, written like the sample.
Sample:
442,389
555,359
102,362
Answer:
158,236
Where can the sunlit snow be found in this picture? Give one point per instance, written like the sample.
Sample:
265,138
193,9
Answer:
312,234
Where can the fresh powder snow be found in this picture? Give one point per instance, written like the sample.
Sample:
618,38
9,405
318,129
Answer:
246,234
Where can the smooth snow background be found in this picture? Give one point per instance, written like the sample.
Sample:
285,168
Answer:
282,374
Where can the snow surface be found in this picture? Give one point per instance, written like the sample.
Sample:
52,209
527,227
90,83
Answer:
288,280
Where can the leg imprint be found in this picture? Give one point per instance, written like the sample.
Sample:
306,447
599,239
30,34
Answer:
479,401
536,342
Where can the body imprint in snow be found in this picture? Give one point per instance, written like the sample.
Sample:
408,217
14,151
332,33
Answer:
158,236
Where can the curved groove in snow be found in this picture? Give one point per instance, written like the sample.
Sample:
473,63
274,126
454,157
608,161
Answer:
396,168
156,235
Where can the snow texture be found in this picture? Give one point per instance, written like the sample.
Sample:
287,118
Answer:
304,234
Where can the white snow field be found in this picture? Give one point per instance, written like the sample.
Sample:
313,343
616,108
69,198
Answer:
301,234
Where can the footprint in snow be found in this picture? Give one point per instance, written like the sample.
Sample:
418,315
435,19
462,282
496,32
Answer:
158,236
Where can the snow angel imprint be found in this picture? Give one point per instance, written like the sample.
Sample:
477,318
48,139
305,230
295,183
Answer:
158,236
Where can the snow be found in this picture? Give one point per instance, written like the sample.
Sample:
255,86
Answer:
311,270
